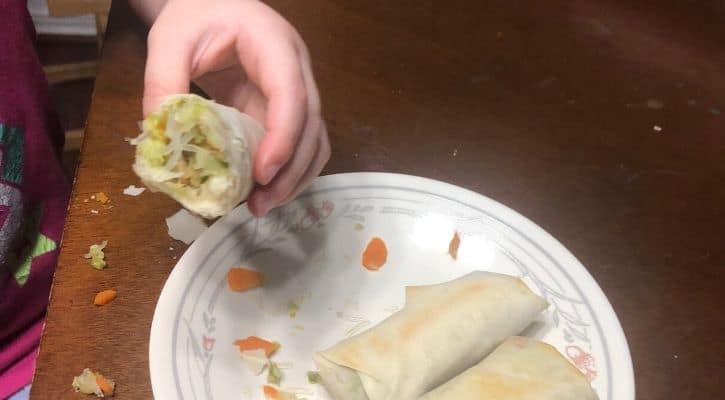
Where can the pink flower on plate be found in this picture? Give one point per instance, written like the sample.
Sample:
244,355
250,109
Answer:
315,214
583,360
207,343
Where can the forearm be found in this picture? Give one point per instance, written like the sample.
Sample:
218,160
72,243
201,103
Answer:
148,10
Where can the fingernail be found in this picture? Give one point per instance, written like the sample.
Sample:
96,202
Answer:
269,173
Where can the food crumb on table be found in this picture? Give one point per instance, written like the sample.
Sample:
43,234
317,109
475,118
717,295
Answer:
89,382
102,198
104,297
133,190
185,226
97,255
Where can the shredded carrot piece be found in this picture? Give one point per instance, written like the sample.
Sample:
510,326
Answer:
102,198
104,384
241,279
453,246
104,297
270,392
375,254
254,343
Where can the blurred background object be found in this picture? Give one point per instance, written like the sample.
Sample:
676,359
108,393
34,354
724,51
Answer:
70,35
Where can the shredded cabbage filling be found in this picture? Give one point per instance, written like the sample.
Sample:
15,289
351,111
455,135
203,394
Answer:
181,139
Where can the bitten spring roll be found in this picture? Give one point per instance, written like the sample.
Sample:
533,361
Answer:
198,152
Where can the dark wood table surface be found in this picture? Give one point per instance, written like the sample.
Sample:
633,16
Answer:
600,121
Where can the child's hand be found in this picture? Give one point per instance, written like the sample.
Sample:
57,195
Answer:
244,54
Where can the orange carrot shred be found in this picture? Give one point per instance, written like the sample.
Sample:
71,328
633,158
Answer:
254,343
241,279
270,392
105,386
104,297
453,246
375,254
102,198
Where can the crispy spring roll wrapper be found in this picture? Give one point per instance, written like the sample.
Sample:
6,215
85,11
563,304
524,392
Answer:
519,369
442,330
198,152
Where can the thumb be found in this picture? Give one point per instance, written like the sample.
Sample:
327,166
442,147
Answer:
168,65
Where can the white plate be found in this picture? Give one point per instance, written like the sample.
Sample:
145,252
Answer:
310,253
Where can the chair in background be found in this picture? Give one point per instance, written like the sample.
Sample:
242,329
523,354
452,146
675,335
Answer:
67,72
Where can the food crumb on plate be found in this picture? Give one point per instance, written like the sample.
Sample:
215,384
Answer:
292,309
89,382
313,377
375,254
254,343
454,245
242,279
256,360
359,226
273,393
274,374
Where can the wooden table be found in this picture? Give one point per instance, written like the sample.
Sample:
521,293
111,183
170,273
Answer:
599,121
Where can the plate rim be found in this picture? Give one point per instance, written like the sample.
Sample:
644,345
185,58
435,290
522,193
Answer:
512,218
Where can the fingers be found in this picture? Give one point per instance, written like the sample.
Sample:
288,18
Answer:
269,55
265,198
168,65
310,156
286,180
226,88
319,162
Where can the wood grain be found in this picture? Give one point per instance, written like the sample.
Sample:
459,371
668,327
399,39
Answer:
547,107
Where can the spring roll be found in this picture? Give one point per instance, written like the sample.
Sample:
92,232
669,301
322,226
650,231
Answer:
442,330
519,369
198,152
